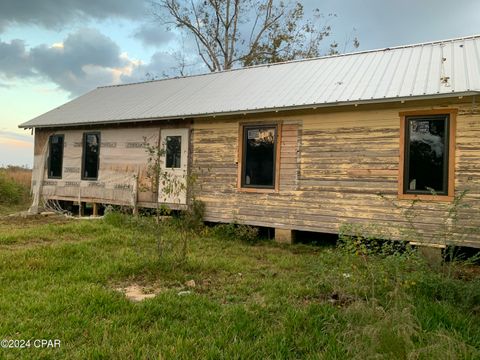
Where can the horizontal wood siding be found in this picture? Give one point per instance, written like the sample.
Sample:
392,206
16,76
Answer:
336,167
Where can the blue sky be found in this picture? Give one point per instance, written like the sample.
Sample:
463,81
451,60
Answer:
52,51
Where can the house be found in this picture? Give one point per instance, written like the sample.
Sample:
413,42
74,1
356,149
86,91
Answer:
298,146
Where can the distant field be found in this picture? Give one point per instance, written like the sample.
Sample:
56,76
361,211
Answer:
18,174
14,189
60,280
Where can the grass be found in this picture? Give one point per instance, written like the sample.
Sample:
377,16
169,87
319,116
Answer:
17,174
250,301
14,189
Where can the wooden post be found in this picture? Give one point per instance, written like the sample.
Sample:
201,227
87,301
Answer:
135,193
284,236
95,209
430,252
433,255
80,208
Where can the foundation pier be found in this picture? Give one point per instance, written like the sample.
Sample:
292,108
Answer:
284,236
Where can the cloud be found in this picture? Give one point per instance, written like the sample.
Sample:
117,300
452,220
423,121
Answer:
83,61
14,59
160,64
10,137
54,14
15,149
152,34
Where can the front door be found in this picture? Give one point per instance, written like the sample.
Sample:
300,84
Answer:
173,179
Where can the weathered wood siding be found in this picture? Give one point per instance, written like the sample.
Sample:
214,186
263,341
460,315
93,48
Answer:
336,167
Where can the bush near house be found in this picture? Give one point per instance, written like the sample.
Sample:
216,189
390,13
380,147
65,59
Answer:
229,299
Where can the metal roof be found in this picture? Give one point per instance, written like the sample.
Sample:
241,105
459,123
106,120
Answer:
435,69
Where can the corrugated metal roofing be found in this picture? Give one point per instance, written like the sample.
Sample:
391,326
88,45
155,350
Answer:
442,68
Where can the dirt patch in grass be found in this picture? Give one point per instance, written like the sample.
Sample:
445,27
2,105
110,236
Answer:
135,292
141,290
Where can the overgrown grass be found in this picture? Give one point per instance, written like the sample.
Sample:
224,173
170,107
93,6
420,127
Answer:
17,174
250,301
14,189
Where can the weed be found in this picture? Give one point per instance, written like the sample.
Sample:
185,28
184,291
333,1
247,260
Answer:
369,240
234,231
59,280
11,192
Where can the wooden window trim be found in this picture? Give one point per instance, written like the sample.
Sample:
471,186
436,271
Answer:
84,154
50,155
278,146
451,155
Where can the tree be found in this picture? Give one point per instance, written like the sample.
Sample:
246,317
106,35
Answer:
230,33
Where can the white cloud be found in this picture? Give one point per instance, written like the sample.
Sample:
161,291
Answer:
82,61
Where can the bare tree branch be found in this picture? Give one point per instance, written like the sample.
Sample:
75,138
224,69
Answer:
277,31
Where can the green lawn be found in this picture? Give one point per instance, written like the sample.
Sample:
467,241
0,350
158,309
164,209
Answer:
261,301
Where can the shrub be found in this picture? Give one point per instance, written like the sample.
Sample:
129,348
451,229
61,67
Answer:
369,240
234,231
192,218
116,218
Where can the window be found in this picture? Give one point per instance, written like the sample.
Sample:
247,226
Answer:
91,150
173,151
55,156
428,148
259,153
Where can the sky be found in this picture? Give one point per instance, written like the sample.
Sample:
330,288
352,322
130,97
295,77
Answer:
53,51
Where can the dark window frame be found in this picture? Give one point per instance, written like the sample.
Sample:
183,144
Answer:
243,155
84,144
449,155
50,155
166,152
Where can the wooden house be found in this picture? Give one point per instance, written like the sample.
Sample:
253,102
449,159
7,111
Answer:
298,146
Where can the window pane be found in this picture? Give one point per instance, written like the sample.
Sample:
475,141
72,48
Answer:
259,157
427,150
174,151
55,156
90,161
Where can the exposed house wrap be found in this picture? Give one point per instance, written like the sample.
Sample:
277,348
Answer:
121,156
38,174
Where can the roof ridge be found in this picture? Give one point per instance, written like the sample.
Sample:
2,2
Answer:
300,60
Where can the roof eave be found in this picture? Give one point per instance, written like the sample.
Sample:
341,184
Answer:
263,110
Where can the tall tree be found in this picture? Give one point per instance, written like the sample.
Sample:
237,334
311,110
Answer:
230,33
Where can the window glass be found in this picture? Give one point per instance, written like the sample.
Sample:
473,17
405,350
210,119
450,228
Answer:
91,147
259,156
55,158
173,151
426,155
